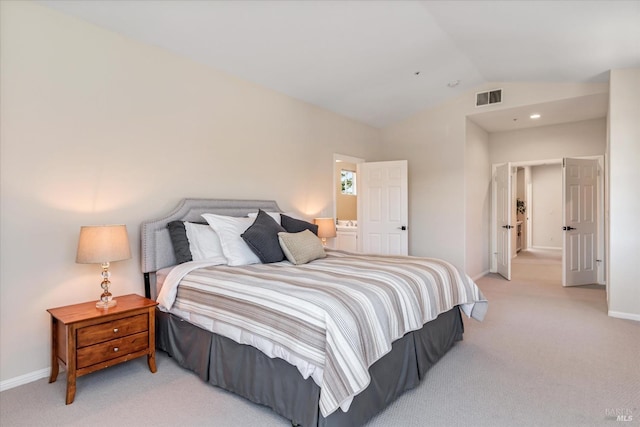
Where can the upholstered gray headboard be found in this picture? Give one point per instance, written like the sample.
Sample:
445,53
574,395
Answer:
157,251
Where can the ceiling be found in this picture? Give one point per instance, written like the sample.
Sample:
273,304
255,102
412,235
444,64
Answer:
382,61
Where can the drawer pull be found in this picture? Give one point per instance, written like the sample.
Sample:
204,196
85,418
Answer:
115,330
115,349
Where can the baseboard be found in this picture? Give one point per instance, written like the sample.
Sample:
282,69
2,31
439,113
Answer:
547,248
478,276
24,379
621,315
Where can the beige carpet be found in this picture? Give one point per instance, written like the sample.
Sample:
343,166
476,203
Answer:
537,265
539,256
544,356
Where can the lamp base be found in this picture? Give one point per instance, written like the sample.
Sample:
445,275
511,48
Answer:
104,305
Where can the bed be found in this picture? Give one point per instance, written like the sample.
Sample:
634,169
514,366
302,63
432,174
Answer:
285,376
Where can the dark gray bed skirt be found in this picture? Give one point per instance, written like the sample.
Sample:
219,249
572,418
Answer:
275,383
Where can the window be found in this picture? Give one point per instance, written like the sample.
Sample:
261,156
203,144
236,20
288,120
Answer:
348,182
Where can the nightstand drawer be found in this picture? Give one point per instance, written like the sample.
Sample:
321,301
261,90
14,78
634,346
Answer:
109,330
91,355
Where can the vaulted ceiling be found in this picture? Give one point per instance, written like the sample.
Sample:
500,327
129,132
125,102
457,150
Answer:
382,61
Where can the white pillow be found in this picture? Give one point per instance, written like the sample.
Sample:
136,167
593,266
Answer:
204,243
274,215
229,230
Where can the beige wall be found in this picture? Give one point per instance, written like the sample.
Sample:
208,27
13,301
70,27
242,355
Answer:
546,206
477,200
584,138
624,198
96,128
433,142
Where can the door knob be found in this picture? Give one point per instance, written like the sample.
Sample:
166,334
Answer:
404,227
508,227
568,228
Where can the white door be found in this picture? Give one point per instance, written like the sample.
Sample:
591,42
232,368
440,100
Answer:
579,211
383,210
503,220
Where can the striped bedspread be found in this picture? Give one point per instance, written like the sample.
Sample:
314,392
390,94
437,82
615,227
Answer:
340,313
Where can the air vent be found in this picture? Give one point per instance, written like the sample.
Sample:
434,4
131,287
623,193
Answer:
489,97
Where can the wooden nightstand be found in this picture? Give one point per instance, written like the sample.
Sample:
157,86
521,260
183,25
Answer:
86,339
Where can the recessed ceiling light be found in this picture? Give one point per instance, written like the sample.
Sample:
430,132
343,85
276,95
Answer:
534,116
453,83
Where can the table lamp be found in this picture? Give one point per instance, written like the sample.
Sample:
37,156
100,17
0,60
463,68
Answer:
326,229
102,244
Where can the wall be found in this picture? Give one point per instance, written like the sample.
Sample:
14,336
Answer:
546,206
584,138
433,144
477,199
623,152
96,128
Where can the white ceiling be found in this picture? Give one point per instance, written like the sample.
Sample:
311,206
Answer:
360,58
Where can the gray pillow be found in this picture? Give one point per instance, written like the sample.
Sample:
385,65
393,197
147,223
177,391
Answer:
262,238
302,247
292,225
178,235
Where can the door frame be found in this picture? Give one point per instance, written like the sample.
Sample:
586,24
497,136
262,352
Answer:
601,263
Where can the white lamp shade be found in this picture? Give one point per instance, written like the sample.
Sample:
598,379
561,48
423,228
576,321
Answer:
103,243
326,227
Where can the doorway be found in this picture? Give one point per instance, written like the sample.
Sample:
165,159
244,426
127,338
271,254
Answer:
345,200
550,232
380,192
